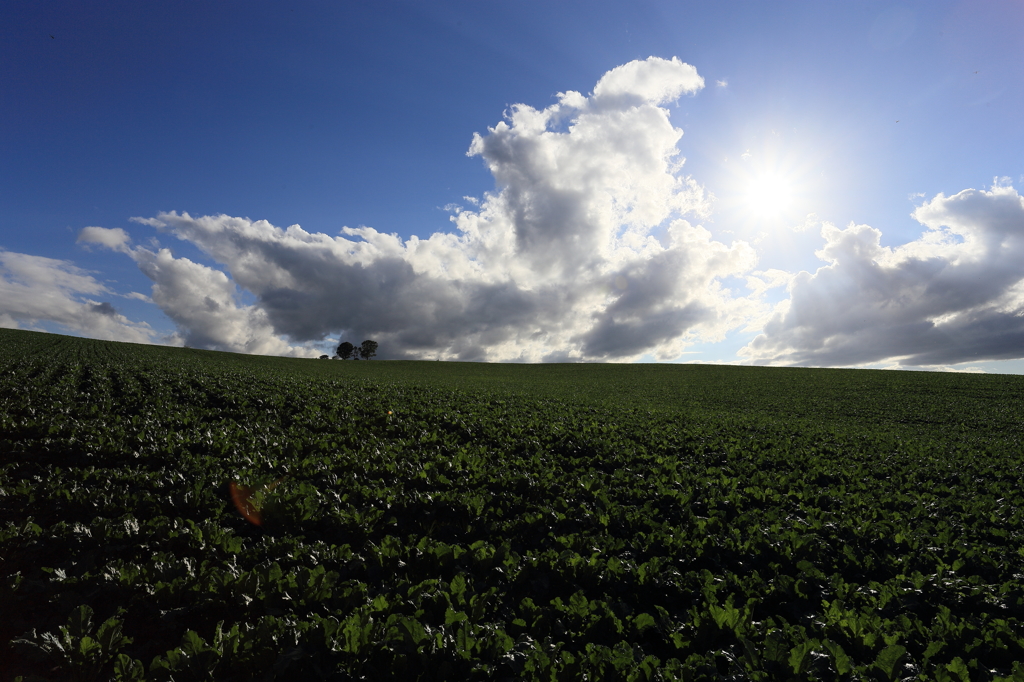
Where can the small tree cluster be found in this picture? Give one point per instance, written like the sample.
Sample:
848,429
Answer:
366,350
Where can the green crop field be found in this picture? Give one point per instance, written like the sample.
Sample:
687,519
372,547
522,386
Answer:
445,521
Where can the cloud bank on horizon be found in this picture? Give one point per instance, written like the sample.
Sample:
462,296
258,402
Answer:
588,249
954,295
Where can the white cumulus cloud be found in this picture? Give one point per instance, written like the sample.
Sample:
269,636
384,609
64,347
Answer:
954,295
588,248
203,302
583,251
115,238
34,290
651,81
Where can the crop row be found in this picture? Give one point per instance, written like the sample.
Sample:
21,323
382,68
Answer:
431,533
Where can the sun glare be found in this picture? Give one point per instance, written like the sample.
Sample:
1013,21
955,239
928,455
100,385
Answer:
769,194
767,188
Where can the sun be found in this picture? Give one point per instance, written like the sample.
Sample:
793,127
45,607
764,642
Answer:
769,187
768,194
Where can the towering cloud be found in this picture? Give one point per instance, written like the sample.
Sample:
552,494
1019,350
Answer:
583,251
954,295
587,249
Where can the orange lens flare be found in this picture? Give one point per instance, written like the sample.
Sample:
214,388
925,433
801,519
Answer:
242,495
244,498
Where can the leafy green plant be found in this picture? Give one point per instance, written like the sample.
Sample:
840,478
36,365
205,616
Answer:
462,521
75,649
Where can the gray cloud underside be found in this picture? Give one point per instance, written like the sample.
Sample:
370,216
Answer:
582,251
34,289
585,251
955,295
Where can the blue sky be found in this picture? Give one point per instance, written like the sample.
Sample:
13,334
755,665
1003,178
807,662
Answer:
844,191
